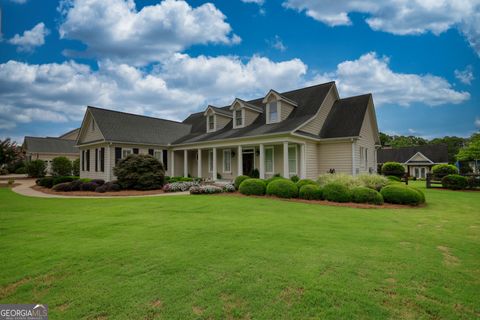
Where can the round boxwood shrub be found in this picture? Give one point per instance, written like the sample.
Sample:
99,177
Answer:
310,192
336,192
366,195
108,187
401,194
275,177
252,187
394,178
454,182
305,182
140,172
61,166
295,179
239,180
21,170
35,168
420,192
442,170
46,182
393,169
89,186
76,185
282,188
62,179
65,186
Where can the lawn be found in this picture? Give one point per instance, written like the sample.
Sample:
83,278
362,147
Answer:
223,257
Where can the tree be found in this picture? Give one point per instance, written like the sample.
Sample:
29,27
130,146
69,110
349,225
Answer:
397,141
36,168
61,166
454,144
471,151
76,167
9,152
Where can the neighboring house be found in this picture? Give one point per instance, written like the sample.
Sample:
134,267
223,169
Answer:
71,135
37,148
305,132
417,160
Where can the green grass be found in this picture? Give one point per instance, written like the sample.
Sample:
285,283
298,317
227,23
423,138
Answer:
218,257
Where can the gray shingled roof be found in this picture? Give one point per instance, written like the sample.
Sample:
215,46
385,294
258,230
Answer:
346,117
76,131
132,128
49,145
227,113
437,153
308,100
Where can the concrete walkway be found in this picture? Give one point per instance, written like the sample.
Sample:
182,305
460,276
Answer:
25,189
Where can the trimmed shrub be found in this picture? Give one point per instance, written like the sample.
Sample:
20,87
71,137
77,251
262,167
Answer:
108,187
65,186
305,182
282,188
239,180
336,192
35,168
62,179
473,182
340,178
275,177
394,178
76,167
420,192
442,170
366,195
85,180
454,182
98,181
252,187
46,182
310,192
294,179
229,188
372,181
401,194
393,169
140,172
21,170
76,185
178,179
89,186
61,166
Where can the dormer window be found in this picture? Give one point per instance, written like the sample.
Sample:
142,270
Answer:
238,118
272,112
211,123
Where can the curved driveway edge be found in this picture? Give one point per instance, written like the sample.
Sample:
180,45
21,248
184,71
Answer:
25,189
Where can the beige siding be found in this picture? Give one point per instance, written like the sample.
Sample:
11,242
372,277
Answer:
90,132
285,110
311,160
250,116
315,125
335,155
71,136
221,121
366,142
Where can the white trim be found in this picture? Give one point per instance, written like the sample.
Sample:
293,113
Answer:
293,146
303,163
210,161
279,112
286,171
262,161
127,149
273,159
161,154
420,154
215,171
242,116
199,163
185,163
214,122
240,160
223,155
278,97
353,159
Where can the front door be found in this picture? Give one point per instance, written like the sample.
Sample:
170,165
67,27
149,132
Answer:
247,163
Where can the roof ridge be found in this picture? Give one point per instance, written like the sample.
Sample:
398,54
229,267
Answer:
136,115
357,96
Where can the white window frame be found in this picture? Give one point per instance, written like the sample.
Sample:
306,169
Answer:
242,118
269,121
296,160
126,149
366,158
208,123
161,154
273,160
229,151
210,161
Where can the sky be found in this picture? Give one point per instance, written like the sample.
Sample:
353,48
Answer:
420,59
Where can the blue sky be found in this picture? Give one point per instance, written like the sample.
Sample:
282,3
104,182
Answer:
170,58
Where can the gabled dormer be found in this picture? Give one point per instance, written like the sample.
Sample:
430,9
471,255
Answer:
277,107
216,118
244,113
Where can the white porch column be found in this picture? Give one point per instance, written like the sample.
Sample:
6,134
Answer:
240,161
303,163
185,163
354,172
214,164
172,165
199,163
286,174
107,166
262,161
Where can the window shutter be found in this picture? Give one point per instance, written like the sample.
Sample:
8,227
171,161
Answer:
96,160
83,160
118,154
150,152
88,159
135,150
102,159
165,159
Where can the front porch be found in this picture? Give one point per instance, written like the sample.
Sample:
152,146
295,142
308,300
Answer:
229,161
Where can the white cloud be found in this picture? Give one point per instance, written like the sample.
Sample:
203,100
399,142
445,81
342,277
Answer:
30,38
259,2
19,1
277,43
465,76
114,29
400,17
60,92
371,73
477,122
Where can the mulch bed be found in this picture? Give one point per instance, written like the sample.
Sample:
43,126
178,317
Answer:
121,193
330,203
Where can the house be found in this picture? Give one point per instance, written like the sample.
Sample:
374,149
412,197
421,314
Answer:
40,148
417,160
304,132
